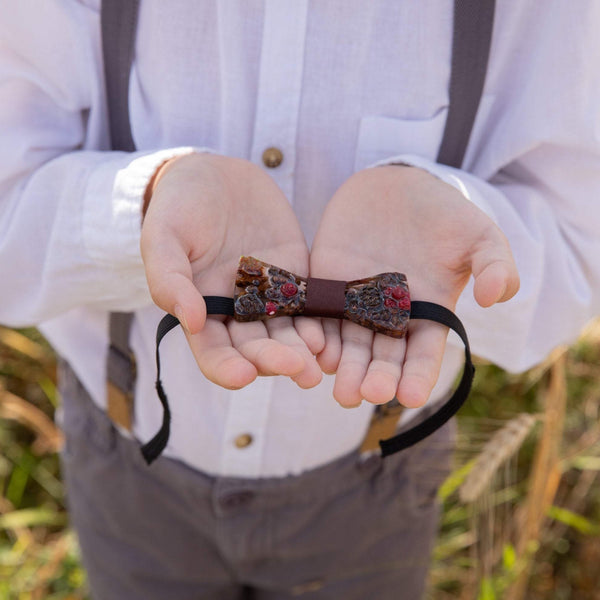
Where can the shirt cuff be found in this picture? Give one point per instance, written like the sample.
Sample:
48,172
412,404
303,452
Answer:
112,212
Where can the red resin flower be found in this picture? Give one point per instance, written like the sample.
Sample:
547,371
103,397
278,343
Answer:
401,295
398,292
404,303
289,289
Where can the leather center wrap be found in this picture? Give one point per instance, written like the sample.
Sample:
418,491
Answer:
325,298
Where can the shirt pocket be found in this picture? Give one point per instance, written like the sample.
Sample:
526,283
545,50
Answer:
381,138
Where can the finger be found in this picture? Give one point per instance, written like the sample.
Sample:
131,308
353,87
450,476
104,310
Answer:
497,282
383,374
268,356
311,331
356,356
282,330
424,352
329,357
495,272
218,360
169,276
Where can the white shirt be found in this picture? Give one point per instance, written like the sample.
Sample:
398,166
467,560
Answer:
337,86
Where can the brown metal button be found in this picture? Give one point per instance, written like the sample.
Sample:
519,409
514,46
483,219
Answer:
243,440
272,157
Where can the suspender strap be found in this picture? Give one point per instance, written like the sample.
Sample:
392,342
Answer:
118,23
471,40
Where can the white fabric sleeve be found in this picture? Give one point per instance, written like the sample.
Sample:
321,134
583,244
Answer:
546,204
70,216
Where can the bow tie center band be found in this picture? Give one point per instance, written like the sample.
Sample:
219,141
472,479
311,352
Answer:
381,303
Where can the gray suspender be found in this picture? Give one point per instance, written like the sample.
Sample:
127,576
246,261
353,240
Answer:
471,40
118,23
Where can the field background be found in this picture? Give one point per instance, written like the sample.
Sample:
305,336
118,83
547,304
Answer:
533,533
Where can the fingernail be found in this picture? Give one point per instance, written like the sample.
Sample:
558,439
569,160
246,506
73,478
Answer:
181,318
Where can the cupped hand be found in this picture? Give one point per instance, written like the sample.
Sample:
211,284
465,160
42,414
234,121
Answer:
400,218
205,212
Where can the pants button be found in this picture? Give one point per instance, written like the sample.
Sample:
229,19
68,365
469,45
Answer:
236,499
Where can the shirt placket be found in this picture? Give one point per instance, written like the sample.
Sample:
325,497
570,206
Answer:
279,88
274,148
245,429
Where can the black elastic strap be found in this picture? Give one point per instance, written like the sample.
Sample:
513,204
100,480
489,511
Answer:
419,310
471,41
439,314
215,305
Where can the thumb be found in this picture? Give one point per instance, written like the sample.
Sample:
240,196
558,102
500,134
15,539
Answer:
169,276
495,273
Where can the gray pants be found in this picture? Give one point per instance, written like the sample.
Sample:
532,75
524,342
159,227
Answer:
354,529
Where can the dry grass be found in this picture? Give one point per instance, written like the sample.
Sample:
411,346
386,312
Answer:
533,531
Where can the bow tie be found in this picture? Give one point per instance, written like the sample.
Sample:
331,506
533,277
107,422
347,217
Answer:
263,291
381,303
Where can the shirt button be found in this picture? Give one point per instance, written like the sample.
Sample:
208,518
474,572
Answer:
272,157
243,440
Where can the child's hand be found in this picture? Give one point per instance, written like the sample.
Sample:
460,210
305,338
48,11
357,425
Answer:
205,212
403,219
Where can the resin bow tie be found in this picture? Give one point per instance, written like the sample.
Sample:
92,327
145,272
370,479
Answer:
263,291
382,303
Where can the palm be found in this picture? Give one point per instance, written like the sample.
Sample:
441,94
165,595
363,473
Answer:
202,218
403,219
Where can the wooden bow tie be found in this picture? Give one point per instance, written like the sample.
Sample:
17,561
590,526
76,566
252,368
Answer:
263,291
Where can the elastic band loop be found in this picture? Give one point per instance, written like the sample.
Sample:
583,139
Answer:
439,314
419,310
215,305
